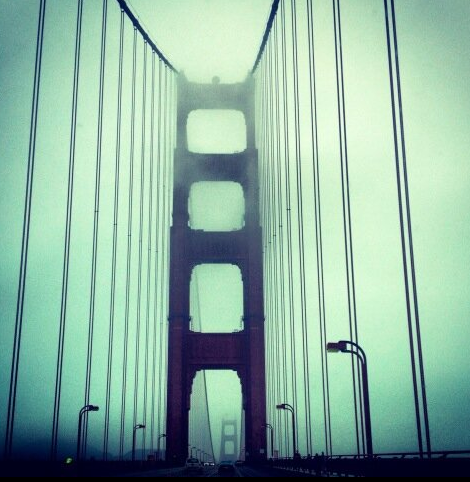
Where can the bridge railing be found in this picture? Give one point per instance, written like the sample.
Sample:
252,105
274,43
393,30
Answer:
396,464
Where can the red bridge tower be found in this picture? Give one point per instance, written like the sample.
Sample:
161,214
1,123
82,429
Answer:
188,351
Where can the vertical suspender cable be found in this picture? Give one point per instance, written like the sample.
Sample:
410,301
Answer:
410,240
149,251
197,430
163,264
268,217
25,237
141,224
168,146
168,200
274,223
158,251
347,218
263,149
274,212
154,332
68,228
285,212
262,145
264,201
95,220
277,211
288,213
170,149
115,231
409,230
281,233
269,223
211,444
300,223
202,429
129,252
402,235
285,440
318,230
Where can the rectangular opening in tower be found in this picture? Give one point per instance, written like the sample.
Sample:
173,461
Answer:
216,298
216,131
229,447
215,416
216,206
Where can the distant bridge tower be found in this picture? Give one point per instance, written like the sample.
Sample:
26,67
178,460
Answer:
229,440
188,351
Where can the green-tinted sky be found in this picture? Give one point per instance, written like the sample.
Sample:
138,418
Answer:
214,37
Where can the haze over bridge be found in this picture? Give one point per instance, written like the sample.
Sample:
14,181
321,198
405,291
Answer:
312,242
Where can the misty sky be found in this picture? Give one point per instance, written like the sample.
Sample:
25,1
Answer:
207,38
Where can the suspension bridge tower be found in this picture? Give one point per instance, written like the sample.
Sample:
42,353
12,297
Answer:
243,351
229,447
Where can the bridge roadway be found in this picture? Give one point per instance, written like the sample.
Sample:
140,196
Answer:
35,468
240,471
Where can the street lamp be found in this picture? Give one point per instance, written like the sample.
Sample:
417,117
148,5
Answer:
342,346
162,435
268,425
83,410
286,406
136,427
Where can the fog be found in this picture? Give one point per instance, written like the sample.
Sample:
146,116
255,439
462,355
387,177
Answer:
207,38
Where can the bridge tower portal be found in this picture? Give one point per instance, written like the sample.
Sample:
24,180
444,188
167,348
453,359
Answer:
243,351
229,447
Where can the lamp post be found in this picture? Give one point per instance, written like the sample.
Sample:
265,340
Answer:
342,346
268,425
136,427
286,406
162,435
83,410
